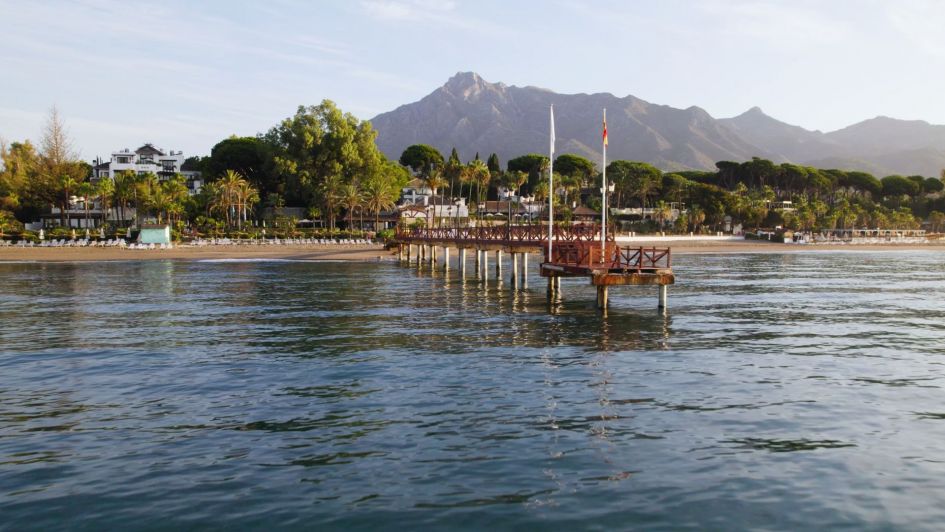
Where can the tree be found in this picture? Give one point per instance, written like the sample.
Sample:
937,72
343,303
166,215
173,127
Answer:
533,164
350,198
422,159
897,186
575,166
124,190
85,191
228,186
322,143
662,212
252,157
59,171
453,171
477,172
379,195
634,179
330,191
932,185
19,168
105,190
936,221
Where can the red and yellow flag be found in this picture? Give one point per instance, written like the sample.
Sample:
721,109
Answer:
605,130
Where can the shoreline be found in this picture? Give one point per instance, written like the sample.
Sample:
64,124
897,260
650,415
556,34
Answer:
376,252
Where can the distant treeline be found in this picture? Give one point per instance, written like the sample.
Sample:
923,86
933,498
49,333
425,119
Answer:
326,161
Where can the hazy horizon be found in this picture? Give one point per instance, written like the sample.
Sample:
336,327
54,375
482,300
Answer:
183,78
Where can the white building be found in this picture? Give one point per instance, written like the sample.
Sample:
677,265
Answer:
417,195
148,159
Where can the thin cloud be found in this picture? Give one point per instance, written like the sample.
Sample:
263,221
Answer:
920,22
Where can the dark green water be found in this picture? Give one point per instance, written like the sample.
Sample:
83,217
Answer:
795,391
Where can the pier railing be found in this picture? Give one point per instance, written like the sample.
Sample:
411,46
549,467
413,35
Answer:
590,255
525,234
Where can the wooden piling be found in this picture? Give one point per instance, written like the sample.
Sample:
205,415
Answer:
525,270
515,270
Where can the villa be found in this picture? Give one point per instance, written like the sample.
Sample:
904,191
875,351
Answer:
148,160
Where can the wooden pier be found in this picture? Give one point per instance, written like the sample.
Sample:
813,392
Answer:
576,252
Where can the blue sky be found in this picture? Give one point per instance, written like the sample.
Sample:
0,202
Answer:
184,75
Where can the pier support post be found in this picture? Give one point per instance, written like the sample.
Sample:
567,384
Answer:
551,287
602,296
525,270
409,250
664,294
478,263
433,257
515,270
485,265
421,254
498,264
462,261
446,259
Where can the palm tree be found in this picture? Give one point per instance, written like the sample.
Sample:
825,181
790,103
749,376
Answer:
478,172
662,212
330,190
124,190
177,194
247,196
350,198
379,195
105,189
85,191
228,191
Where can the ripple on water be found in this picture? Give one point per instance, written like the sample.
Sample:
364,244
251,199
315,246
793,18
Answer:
780,391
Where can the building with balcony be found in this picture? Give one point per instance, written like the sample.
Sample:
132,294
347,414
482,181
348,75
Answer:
148,160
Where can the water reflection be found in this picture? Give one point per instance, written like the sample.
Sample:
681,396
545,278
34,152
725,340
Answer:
349,395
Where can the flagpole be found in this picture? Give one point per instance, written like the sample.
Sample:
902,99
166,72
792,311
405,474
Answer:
603,227
551,173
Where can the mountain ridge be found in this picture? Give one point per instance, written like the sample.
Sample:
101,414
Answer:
477,116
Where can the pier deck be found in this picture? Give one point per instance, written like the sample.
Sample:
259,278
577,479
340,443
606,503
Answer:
576,252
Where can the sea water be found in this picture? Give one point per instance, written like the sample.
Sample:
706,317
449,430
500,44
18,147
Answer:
780,391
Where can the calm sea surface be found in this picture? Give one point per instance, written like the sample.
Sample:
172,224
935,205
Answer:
786,391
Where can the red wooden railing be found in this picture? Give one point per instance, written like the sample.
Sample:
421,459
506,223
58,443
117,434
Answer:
611,257
501,233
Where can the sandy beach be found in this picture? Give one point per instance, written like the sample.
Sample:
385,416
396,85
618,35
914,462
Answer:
362,252
376,252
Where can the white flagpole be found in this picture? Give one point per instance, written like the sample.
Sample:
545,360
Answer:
551,185
603,227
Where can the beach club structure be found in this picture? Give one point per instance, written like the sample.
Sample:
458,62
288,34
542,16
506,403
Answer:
576,249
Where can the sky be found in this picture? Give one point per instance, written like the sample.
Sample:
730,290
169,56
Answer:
184,75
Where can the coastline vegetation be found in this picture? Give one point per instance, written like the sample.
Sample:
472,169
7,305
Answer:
325,163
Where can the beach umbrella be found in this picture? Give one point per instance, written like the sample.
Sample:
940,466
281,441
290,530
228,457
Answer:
101,232
86,233
73,234
42,235
128,233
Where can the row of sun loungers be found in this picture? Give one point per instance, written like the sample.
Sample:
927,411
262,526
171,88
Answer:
115,242
279,241
121,243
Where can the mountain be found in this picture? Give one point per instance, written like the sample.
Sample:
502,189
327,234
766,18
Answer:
476,116
786,142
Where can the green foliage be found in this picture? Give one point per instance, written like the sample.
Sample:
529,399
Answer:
422,159
251,157
533,164
493,163
897,186
575,166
